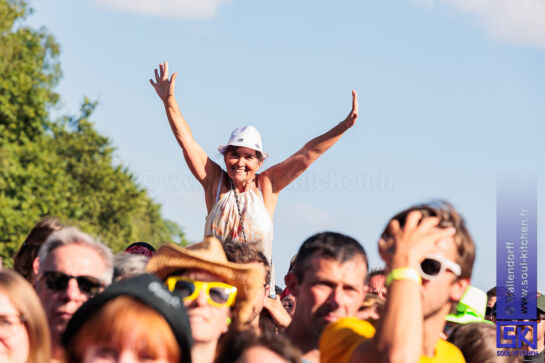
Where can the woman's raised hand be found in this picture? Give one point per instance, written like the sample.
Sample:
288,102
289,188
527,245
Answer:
353,115
163,86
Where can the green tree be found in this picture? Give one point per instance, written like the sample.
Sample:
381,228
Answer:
64,167
30,70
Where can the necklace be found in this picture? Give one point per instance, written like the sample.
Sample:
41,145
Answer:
239,213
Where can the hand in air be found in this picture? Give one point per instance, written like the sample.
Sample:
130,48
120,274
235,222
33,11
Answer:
277,311
408,245
163,86
353,115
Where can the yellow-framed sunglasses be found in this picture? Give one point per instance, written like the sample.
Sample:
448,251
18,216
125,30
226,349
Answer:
219,294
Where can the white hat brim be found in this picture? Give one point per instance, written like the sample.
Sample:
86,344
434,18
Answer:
222,149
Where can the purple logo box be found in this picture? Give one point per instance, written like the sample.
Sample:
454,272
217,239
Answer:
513,334
516,244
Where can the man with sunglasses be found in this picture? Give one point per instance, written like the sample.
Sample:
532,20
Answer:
73,268
429,257
217,293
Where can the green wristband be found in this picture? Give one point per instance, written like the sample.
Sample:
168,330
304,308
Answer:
404,273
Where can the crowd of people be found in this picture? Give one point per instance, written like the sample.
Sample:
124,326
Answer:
69,299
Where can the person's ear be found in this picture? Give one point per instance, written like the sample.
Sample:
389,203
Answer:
458,289
36,266
292,284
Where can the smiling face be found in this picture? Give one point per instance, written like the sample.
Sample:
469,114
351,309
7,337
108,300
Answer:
208,322
241,164
328,291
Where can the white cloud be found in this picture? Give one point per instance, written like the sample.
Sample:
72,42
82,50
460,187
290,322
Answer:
516,21
187,9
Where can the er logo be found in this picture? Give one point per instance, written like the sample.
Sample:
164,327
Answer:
513,334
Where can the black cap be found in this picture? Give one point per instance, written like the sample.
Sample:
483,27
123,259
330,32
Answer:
150,291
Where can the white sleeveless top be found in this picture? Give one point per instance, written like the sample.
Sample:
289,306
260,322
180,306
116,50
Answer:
223,221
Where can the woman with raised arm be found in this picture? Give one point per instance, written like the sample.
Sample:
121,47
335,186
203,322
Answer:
240,202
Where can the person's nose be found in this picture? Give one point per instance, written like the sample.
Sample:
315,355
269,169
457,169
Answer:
241,161
202,298
335,298
72,290
126,357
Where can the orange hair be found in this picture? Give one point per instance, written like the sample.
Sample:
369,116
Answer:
122,320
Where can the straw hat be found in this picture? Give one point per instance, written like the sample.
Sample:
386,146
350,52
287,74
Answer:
209,256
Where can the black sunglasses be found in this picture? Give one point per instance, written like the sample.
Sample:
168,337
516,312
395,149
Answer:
58,281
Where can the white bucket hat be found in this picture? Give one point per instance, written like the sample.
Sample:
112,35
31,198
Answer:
245,136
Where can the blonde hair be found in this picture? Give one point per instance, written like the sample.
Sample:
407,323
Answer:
26,301
373,300
122,319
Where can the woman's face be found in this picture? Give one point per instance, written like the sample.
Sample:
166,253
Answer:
130,354
208,323
242,163
14,345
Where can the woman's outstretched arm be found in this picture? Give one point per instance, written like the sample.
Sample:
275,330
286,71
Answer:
201,166
282,174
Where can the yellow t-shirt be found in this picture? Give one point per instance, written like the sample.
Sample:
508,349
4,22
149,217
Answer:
339,340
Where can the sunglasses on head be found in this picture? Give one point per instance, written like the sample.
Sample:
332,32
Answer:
433,266
58,281
219,294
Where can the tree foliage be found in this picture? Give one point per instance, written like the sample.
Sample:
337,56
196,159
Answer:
63,167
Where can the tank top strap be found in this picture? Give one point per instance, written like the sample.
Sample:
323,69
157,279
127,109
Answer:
219,188
257,186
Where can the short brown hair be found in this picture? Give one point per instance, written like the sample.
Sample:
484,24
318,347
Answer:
375,272
333,245
247,253
491,293
448,217
119,320
232,148
235,343
477,341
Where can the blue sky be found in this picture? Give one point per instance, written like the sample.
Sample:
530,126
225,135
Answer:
451,93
